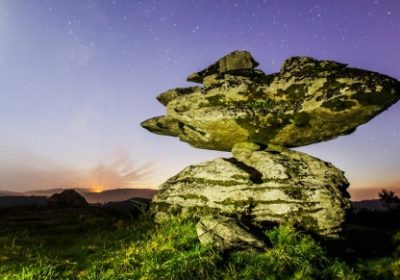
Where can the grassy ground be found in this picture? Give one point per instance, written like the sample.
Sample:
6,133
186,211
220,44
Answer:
96,244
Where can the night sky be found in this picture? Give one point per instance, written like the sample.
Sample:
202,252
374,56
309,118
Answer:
77,77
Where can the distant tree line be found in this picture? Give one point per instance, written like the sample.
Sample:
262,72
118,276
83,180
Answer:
389,200
379,218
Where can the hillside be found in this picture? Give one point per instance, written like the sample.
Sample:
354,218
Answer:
91,197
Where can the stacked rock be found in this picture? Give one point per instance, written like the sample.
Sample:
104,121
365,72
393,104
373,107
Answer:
258,117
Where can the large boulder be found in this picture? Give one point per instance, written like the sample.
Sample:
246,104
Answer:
68,199
271,184
307,101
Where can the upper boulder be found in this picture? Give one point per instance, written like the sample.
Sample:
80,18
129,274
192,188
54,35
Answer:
307,101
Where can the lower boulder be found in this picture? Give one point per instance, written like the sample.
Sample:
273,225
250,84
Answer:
272,184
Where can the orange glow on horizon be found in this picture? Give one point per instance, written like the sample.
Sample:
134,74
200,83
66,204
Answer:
96,188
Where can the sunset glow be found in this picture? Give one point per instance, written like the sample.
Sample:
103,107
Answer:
96,188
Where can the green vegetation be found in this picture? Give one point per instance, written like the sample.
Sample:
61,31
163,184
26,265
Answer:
390,200
91,245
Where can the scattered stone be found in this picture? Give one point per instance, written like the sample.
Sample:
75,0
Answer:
225,233
67,199
236,60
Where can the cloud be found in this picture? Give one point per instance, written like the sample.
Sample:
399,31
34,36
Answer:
121,172
31,171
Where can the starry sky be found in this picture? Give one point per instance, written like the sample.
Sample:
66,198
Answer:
78,76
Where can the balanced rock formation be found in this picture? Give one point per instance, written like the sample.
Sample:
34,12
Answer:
270,185
258,117
307,101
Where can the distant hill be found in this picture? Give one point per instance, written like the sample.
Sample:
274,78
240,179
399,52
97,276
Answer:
116,194
91,197
17,201
8,193
371,204
49,192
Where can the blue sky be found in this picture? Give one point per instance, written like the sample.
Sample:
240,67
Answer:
78,77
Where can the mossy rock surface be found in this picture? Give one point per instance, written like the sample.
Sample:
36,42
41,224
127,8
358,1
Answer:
307,101
268,185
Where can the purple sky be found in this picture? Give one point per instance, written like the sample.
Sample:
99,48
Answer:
77,77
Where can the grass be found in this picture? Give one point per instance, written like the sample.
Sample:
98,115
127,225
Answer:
95,245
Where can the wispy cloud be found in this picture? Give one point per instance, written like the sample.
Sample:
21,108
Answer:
35,172
120,172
